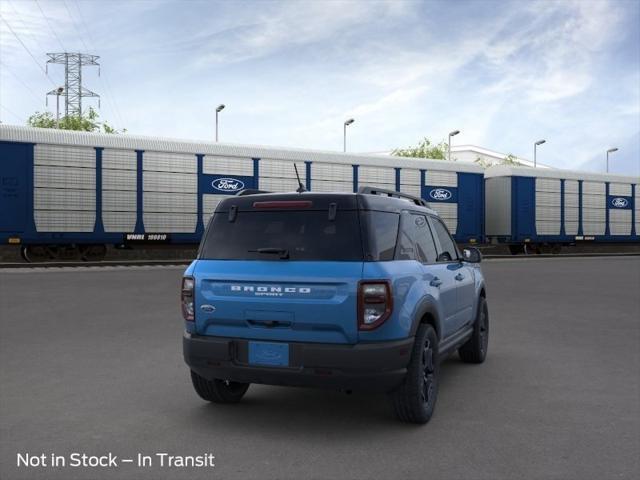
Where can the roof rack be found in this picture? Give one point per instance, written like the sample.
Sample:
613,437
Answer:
250,191
392,193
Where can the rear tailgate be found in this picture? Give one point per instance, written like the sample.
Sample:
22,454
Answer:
297,301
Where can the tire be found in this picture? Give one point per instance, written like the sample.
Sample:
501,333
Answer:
475,349
415,400
218,391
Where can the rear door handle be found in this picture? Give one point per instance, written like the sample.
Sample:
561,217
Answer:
459,277
436,282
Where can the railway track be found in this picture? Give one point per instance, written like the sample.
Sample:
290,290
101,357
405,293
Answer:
182,262
104,263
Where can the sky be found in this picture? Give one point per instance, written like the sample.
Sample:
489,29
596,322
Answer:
290,73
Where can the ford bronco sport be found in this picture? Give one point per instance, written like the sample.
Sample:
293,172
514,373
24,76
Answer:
353,291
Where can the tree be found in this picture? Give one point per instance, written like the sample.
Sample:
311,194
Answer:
424,149
86,123
483,162
510,159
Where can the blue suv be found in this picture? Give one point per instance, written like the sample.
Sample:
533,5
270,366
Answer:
352,291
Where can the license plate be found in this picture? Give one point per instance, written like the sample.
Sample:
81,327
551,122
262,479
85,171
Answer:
270,354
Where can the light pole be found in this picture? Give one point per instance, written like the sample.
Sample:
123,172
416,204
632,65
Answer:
452,134
347,122
611,150
218,110
59,91
535,146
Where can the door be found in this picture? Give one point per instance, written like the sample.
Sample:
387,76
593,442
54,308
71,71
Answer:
462,274
465,294
13,186
417,243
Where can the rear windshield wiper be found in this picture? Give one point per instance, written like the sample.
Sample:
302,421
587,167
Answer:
283,252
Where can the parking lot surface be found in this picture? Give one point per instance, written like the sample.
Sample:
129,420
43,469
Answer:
91,361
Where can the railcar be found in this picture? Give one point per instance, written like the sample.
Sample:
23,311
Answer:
542,210
69,194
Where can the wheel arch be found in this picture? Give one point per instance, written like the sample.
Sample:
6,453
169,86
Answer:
427,314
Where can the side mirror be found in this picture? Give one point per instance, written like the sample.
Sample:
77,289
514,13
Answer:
472,255
444,257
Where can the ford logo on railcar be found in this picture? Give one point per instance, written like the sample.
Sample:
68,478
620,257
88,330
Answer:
619,202
228,184
440,194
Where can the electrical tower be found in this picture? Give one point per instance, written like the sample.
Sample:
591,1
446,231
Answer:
74,92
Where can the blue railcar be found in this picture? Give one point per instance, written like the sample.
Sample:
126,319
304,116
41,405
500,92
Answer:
68,193
535,210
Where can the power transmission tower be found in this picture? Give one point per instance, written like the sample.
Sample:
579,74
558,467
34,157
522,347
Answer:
74,92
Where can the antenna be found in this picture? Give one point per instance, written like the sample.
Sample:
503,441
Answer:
300,188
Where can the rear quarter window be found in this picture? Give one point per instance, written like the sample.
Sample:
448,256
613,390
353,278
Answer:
381,231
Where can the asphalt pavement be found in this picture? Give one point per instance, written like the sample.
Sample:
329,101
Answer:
91,362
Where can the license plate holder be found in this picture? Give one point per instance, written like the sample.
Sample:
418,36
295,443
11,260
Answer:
269,354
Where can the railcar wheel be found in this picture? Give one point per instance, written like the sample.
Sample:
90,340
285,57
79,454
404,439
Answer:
546,248
516,249
35,253
93,253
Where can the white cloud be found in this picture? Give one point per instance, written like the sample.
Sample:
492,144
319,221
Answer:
291,72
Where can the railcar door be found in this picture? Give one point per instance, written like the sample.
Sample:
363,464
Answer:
13,186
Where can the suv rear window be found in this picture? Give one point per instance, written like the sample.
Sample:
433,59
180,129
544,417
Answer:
303,235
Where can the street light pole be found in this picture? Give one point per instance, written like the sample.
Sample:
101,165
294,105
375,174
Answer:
59,91
451,134
535,146
344,137
611,150
218,110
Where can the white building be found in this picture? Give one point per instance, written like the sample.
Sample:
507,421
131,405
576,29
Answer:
480,155
471,153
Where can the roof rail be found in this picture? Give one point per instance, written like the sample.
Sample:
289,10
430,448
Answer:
392,193
250,191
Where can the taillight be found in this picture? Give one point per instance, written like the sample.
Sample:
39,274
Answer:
186,298
375,303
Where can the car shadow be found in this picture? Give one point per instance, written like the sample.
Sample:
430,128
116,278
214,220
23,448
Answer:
315,412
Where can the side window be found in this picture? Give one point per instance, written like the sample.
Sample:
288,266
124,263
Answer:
416,241
448,251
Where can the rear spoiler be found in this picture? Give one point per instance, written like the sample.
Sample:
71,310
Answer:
250,191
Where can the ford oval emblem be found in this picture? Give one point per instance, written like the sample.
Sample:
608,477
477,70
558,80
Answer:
619,202
228,184
440,194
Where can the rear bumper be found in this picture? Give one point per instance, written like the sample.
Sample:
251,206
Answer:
377,367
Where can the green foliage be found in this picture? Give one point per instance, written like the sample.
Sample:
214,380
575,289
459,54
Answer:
424,149
88,122
510,159
483,162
